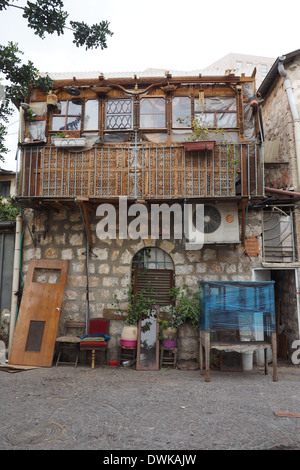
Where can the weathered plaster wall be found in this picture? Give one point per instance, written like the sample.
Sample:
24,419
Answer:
281,170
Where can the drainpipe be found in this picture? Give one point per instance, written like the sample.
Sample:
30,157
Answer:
294,111
15,280
87,295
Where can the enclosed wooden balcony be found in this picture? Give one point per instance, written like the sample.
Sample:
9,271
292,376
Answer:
146,172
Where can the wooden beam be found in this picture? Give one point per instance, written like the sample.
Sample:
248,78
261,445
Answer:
83,204
287,414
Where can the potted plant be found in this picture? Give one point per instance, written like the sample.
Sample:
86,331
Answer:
169,322
184,308
187,305
29,115
68,139
140,306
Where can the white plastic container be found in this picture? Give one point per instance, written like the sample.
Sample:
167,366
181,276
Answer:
247,360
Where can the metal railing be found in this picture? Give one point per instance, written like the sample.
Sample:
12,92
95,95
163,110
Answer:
147,172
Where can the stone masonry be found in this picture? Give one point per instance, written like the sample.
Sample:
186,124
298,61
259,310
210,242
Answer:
60,235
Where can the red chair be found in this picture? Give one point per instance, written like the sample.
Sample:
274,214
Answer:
97,338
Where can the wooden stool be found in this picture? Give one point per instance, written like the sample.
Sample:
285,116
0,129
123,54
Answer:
168,356
128,354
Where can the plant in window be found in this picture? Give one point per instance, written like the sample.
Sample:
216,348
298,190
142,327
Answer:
29,114
140,304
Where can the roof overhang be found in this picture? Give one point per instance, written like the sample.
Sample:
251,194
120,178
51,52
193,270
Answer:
273,72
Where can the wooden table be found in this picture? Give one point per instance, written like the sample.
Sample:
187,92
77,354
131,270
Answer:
240,347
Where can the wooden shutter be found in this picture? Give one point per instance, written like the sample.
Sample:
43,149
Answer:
161,281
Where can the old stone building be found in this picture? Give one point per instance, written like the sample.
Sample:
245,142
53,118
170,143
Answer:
96,139
280,109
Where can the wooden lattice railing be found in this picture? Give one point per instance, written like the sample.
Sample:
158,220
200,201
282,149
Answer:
147,172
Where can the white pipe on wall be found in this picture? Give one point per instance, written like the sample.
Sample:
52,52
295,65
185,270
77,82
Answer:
15,280
294,111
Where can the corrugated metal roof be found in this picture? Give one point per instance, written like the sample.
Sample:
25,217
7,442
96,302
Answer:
150,72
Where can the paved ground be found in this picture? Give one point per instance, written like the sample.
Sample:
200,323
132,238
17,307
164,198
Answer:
111,408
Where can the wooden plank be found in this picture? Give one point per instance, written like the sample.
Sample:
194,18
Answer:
287,414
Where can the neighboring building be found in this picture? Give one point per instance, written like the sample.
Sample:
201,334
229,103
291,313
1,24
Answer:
7,182
128,135
243,63
7,242
280,92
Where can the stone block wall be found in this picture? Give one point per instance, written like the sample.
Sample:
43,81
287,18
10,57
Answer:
60,235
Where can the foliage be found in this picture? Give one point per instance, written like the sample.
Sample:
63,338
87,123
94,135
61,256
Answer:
185,308
48,16
7,210
43,17
203,130
186,305
90,36
20,78
140,305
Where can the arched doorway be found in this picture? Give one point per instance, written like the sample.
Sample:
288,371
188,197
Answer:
154,266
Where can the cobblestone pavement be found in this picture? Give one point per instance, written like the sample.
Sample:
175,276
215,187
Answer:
110,408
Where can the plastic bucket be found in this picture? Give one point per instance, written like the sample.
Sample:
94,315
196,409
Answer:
247,360
129,332
169,343
128,343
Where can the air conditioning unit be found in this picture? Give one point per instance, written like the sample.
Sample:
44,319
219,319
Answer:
220,225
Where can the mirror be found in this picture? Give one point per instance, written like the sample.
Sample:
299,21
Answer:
148,345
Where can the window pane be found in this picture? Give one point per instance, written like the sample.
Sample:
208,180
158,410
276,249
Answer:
205,119
58,123
91,115
74,108
73,123
62,108
181,111
226,103
119,114
226,120
152,113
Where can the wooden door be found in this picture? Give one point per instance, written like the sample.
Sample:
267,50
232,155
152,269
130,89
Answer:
38,319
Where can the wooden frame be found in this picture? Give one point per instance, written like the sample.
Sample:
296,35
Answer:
240,347
145,361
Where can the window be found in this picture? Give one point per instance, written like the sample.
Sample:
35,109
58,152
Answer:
152,113
181,111
5,188
216,112
91,115
68,117
119,114
264,70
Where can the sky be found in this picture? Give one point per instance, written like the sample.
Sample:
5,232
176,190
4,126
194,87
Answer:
178,35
